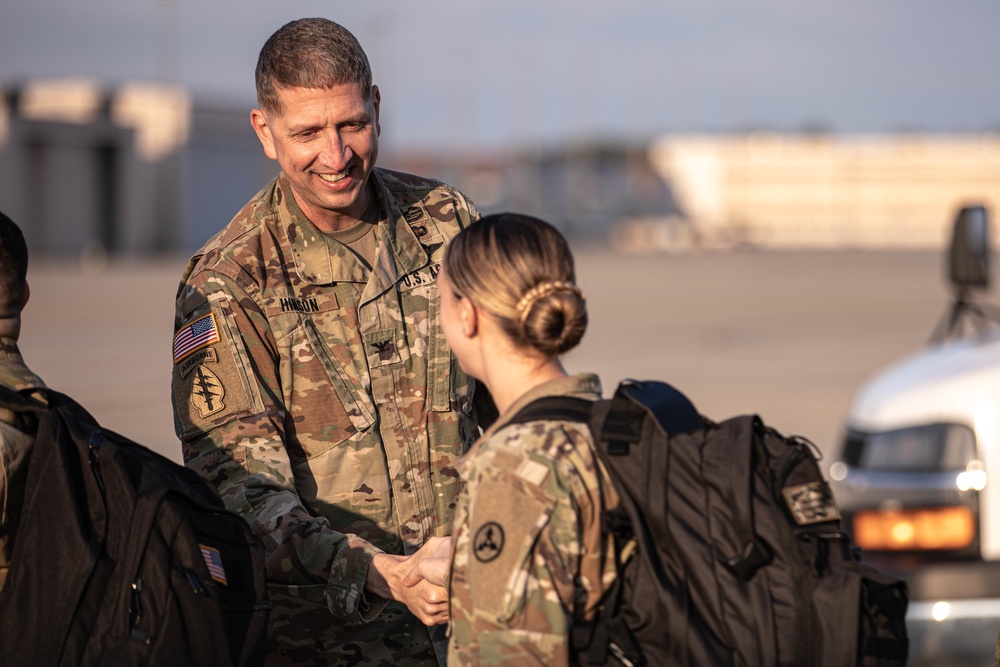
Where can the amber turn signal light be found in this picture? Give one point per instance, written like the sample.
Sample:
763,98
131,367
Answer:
923,529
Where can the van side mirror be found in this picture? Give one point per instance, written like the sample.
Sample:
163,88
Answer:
969,265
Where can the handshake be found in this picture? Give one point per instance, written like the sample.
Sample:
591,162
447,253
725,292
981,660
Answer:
420,580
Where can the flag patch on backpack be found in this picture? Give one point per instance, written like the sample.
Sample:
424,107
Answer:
213,559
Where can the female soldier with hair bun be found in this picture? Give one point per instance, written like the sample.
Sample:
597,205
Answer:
528,548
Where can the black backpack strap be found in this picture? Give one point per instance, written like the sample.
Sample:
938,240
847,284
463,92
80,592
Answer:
673,411
556,408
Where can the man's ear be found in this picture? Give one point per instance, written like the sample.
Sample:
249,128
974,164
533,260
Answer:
376,97
263,130
27,294
469,315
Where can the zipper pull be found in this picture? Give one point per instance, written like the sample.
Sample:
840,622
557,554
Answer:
135,614
93,444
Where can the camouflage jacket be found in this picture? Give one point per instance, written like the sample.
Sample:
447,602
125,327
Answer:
528,539
16,441
322,400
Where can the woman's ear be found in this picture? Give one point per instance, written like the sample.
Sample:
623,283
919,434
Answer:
469,316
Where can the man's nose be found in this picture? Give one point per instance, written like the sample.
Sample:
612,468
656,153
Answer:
336,152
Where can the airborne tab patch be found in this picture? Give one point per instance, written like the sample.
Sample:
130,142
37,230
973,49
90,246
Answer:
199,357
200,333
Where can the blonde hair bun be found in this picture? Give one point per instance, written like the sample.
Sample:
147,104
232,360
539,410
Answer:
519,269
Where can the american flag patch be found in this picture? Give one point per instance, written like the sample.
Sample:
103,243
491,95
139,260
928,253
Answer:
213,559
195,336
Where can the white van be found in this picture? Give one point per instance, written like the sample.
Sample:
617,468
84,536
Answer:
918,476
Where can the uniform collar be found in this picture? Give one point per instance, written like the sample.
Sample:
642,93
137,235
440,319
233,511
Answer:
581,385
13,371
320,260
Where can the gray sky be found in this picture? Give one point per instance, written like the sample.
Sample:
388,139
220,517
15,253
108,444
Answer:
460,73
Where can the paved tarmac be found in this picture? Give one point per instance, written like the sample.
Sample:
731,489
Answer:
788,335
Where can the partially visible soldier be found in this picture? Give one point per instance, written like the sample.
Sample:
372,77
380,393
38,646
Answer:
16,437
530,552
311,382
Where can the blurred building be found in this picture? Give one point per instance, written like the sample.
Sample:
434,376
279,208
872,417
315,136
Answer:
143,168
824,191
583,189
134,170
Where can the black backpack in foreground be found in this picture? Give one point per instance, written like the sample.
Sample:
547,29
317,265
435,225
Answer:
739,556
124,557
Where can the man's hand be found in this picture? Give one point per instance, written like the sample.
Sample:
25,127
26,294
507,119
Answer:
425,598
433,567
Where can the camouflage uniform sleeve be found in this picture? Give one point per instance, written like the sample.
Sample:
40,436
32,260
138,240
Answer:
518,550
465,210
230,416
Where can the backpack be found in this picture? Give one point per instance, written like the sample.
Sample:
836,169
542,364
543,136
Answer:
739,556
124,557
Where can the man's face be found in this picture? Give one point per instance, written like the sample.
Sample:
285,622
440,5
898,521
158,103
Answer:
326,142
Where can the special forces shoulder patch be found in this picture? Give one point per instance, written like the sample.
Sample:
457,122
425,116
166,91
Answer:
207,391
810,503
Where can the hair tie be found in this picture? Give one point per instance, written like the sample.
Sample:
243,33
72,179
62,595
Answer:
539,291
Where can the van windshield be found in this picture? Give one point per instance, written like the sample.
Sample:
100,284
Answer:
927,448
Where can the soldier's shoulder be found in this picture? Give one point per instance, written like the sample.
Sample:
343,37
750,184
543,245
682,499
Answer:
398,181
442,201
549,438
428,202
238,245
540,451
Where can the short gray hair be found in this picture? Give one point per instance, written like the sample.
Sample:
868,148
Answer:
310,53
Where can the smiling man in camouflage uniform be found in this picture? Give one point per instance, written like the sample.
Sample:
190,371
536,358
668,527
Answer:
311,382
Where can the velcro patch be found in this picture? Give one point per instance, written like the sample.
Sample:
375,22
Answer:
212,385
533,472
507,517
199,357
810,503
488,543
213,559
207,392
193,337
413,214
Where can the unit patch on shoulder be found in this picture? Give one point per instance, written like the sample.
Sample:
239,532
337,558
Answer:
193,337
489,542
810,503
199,357
207,392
